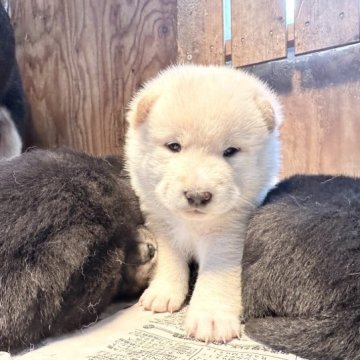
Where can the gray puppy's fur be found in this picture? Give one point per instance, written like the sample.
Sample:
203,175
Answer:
70,242
14,115
301,268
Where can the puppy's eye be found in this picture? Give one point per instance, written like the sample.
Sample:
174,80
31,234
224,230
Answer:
230,151
173,146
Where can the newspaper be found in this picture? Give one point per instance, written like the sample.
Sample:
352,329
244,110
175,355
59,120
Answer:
135,334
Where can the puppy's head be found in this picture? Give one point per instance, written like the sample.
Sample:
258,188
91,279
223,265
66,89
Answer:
139,264
202,141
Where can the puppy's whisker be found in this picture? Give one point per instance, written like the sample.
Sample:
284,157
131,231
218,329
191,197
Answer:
252,204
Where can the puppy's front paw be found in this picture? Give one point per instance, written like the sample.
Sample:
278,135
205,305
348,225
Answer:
212,324
162,296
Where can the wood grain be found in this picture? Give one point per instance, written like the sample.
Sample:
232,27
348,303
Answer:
200,32
82,60
258,31
321,24
320,93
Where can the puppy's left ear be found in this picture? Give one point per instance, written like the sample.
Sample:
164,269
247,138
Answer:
270,111
140,108
115,161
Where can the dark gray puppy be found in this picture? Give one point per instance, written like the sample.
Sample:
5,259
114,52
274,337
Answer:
14,121
301,268
71,240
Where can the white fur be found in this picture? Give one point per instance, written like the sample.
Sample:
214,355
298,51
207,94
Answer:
10,141
206,110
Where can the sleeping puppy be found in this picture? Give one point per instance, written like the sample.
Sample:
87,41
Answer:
71,241
10,141
14,128
202,151
301,268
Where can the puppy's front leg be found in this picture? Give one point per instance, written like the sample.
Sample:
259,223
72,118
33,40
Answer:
215,307
168,288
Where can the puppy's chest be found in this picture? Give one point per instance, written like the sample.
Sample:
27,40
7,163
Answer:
190,241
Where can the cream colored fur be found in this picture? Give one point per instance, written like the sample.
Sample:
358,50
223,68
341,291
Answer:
10,141
206,110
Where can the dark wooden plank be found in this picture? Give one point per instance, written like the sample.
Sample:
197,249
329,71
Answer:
321,24
321,97
200,32
82,60
258,31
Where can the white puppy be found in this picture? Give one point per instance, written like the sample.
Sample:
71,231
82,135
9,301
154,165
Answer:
202,151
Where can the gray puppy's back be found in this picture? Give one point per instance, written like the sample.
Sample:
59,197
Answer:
301,268
68,224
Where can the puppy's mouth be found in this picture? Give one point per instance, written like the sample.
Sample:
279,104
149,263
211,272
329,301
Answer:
194,212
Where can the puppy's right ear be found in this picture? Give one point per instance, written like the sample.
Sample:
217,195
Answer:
270,111
140,108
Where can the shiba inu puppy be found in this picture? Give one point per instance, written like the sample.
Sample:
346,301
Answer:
202,152
10,141
71,241
301,268
14,121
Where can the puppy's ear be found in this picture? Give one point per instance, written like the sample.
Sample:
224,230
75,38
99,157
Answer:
269,113
115,161
140,108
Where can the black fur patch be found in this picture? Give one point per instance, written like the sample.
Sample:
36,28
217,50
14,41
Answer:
68,224
301,268
12,95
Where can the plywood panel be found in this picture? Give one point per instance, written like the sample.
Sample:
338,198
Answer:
322,24
81,61
320,93
258,31
200,32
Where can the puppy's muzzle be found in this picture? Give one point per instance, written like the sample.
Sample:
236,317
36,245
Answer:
197,198
146,253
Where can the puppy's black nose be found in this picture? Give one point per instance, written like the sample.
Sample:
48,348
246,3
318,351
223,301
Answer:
197,198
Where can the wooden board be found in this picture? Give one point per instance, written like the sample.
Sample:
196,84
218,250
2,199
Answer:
200,32
321,24
258,31
82,60
320,93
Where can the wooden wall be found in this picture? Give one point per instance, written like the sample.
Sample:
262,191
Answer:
258,31
82,60
200,32
320,92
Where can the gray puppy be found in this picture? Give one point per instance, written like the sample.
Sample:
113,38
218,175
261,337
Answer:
71,241
301,268
14,116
